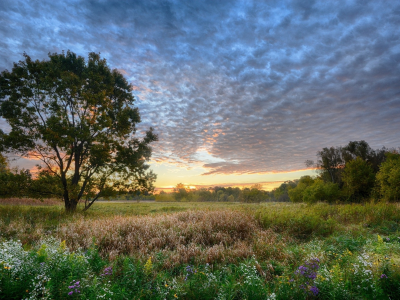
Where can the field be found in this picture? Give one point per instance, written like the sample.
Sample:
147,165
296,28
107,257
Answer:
200,251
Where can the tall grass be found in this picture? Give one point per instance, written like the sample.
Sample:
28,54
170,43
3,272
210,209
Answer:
305,221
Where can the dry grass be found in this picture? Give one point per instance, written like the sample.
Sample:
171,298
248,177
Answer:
193,236
29,201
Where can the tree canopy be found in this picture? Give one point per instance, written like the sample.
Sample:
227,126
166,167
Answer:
78,118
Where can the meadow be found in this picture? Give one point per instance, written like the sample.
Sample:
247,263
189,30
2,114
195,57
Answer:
200,251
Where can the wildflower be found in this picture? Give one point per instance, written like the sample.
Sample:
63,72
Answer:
74,288
107,271
189,271
176,296
63,245
314,290
380,240
383,276
166,285
148,266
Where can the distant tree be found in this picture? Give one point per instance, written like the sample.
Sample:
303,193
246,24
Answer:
355,149
296,193
181,192
45,185
321,191
330,163
257,186
362,150
78,118
358,177
281,193
14,183
388,177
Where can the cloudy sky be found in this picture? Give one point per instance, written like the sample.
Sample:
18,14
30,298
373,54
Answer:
238,91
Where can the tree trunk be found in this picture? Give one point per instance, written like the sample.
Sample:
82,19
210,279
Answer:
70,206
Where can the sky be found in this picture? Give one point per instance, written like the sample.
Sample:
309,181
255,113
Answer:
239,92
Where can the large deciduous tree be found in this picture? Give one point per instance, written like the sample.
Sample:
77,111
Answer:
78,118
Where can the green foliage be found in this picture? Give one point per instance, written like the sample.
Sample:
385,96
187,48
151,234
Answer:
358,178
388,177
78,118
14,183
296,193
3,164
352,168
281,193
321,191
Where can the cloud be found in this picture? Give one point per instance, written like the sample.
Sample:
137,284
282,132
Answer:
261,86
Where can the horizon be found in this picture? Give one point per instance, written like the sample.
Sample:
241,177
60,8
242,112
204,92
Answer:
239,92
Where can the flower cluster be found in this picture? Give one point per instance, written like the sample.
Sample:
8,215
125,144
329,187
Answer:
189,271
107,272
308,272
74,288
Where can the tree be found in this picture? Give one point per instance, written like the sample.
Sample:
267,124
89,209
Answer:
181,192
362,150
330,163
358,178
388,177
296,193
78,118
321,191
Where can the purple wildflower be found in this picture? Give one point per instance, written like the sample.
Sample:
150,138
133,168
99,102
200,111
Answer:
383,276
314,290
189,271
74,287
107,271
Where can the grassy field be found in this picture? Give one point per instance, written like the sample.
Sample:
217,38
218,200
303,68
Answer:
200,251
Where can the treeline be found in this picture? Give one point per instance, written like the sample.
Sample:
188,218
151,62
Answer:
19,183
255,193
353,173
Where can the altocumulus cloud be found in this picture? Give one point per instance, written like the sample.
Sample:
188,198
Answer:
259,86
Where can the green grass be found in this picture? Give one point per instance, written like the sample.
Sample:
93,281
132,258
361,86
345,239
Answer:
145,208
